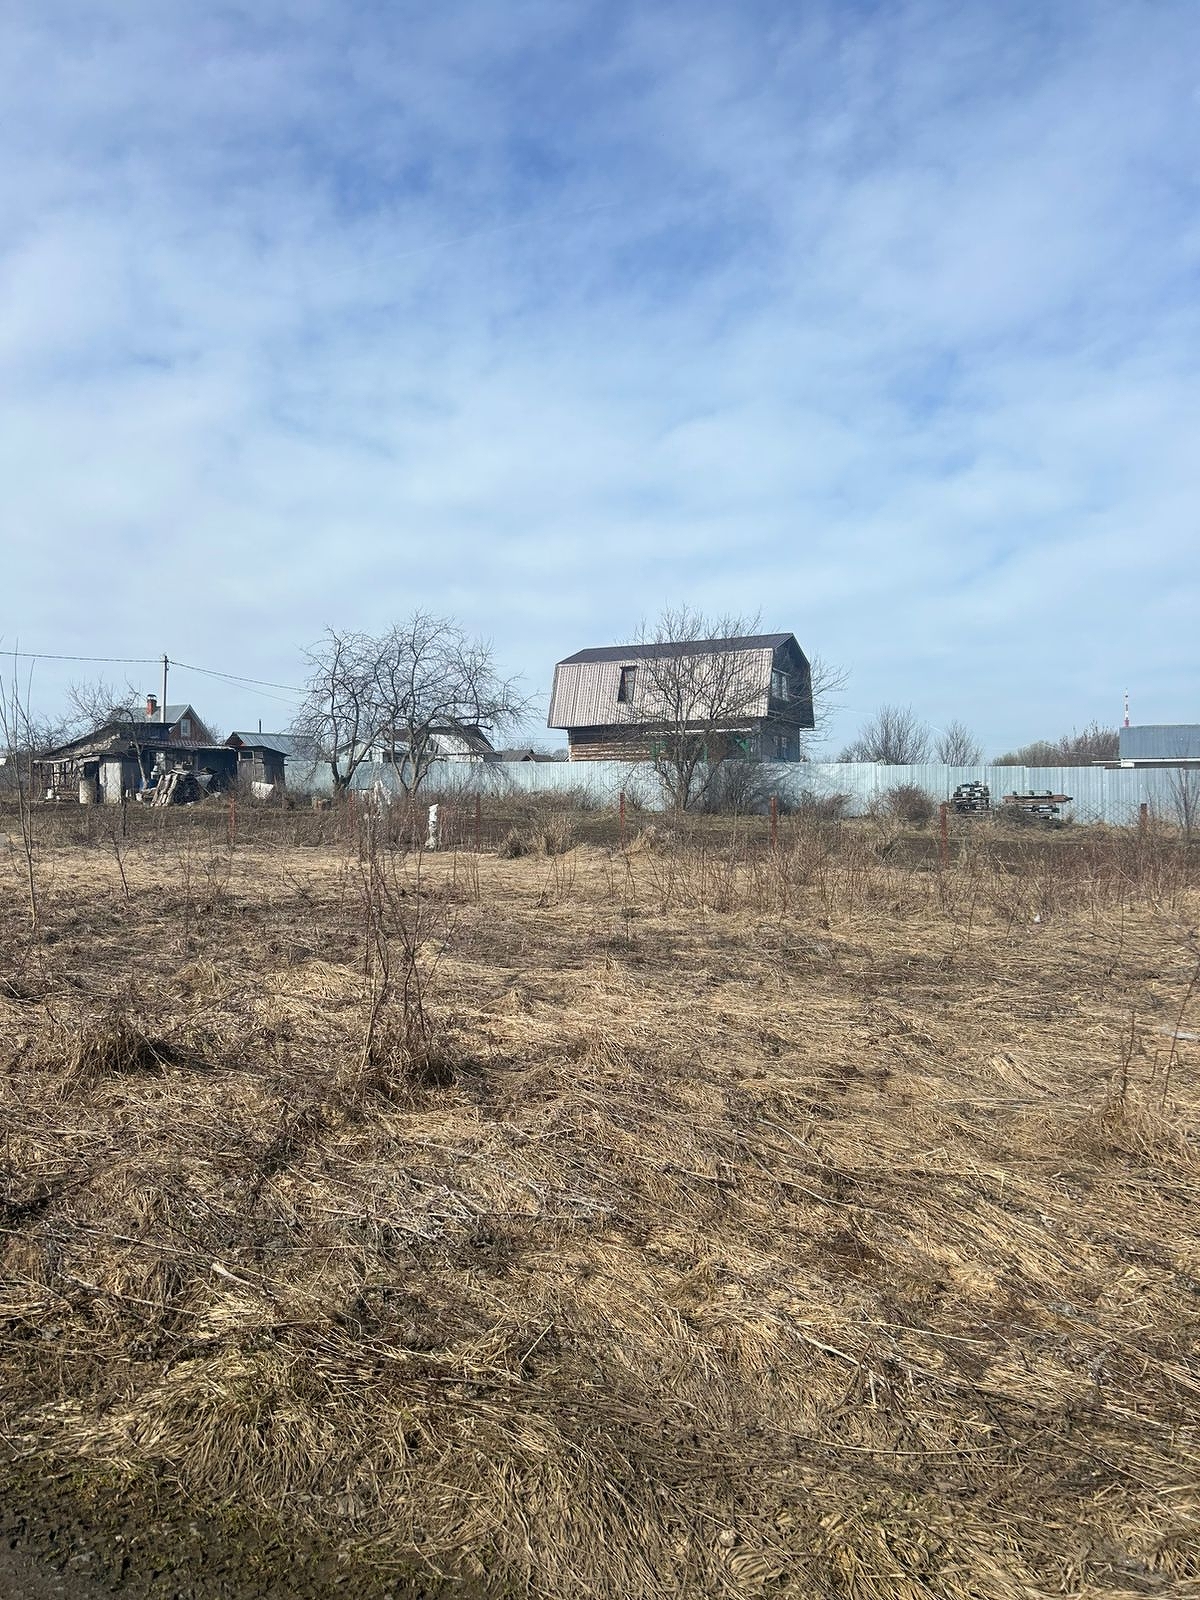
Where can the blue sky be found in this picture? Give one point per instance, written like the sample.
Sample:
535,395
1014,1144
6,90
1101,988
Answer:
880,319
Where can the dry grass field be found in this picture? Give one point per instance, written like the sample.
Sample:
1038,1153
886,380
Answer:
693,1219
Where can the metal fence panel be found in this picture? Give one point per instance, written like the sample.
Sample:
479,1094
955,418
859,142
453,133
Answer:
1099,794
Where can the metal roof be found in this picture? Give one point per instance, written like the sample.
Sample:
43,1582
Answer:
1161,741
473,737
283,744
680,647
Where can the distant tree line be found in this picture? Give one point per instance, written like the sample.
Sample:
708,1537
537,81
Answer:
1069,750
896,736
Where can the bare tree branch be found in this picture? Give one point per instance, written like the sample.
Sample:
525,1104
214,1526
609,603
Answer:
895,736
699,706
423,677
431,679
957,746
690,702
93,702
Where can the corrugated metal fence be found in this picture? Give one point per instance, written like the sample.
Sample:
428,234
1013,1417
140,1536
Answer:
1099,794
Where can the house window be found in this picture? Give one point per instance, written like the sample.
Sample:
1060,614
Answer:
185,727
779,686
625,685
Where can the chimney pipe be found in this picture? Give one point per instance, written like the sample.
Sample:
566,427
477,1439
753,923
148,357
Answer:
151,707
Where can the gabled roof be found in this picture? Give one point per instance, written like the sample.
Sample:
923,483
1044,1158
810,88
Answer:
173,715
524,752
472,737
682,647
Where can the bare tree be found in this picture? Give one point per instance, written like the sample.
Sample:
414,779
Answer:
828,682
957,746
695,703
422,678
1070,750
895,736
93,702
430,679
339,715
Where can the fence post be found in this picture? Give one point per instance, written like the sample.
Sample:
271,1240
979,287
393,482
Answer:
774,822
1143,819
478,820
944,834
622,811
232,819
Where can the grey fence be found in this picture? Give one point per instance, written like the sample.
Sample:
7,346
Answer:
1098,794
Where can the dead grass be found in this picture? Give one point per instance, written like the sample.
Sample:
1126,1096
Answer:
806,1224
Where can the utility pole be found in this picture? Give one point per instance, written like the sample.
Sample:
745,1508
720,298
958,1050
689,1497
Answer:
162,709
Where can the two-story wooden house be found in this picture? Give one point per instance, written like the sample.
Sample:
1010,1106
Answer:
752,695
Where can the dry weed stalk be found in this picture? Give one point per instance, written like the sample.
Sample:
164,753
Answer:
17,745
404,937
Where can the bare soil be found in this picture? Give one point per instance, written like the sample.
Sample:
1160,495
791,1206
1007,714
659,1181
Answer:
73,1536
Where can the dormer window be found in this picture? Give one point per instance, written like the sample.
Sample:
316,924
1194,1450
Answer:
625,685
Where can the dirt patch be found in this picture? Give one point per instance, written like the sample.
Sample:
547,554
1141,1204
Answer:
74,1537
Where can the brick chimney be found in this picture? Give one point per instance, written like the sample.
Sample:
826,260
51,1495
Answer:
151,708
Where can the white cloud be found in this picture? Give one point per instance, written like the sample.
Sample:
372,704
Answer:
879,321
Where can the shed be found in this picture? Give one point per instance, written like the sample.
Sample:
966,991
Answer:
262,757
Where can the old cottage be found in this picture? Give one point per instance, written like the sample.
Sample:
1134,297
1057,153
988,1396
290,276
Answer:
128,755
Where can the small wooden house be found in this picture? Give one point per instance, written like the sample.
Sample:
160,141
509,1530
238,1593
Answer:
618,702
125,756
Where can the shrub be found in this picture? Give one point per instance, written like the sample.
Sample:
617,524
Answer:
736,787
821,807
906,802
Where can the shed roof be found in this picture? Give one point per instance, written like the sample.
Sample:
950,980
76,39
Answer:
283,744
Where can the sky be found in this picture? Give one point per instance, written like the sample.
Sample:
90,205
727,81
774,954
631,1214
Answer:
877,320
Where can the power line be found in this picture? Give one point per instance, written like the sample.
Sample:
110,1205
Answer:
154,661
46,655
233,677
